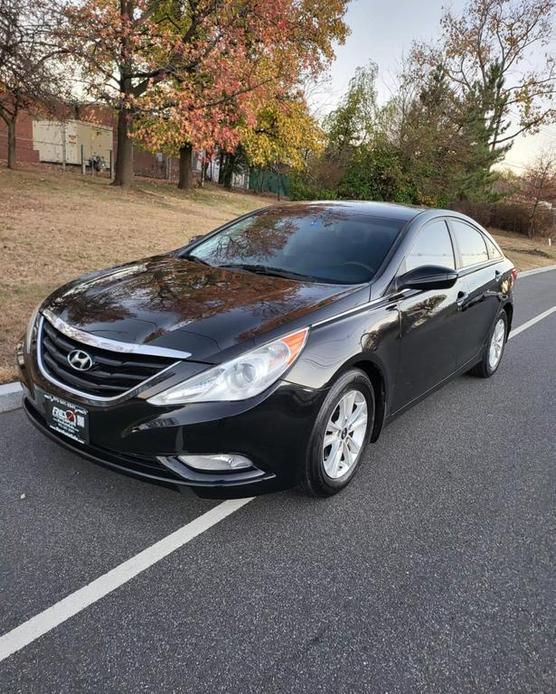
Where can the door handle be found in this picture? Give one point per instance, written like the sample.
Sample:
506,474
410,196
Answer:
460,301
497,274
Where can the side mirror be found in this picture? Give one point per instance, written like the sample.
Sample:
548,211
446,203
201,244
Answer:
428,277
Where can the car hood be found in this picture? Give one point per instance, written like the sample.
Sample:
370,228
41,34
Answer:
168,301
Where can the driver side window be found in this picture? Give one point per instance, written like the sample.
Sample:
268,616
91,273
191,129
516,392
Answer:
432,246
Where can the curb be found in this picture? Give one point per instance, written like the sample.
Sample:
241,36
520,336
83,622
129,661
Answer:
538,270
10,396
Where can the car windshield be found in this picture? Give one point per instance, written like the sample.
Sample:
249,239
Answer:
327,244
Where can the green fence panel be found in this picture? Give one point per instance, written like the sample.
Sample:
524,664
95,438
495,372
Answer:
265,181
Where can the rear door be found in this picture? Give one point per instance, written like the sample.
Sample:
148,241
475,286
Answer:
478,299
428,319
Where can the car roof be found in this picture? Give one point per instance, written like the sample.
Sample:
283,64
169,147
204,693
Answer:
383,210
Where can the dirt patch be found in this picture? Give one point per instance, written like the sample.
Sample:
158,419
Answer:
56,226
533,251
526,254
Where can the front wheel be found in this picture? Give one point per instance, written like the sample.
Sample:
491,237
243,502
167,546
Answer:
493,352
340,434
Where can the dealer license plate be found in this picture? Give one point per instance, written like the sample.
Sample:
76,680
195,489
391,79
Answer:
66,418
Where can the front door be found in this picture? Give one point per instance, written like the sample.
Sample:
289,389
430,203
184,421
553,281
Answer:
428,318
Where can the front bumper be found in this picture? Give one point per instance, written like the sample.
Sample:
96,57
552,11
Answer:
143,440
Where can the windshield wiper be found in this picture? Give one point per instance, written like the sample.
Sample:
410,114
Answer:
268,270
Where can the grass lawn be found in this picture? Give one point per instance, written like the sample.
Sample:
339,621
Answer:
55,226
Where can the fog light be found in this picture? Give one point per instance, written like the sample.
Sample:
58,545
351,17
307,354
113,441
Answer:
217,462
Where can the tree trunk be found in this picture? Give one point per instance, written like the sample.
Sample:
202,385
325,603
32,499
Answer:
124,155
222,159
11,143
531,228
229,171
185,179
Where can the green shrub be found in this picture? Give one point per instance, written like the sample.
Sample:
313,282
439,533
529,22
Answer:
376,173
302,188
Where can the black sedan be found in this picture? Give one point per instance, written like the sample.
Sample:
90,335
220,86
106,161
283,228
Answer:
270,352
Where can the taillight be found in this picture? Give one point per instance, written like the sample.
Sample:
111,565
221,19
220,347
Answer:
514,275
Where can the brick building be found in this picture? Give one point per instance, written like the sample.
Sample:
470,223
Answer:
30,141
24,135
146,163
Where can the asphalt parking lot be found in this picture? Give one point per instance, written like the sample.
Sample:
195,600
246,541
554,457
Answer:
433,571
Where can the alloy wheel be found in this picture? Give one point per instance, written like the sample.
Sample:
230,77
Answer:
345,434
496,344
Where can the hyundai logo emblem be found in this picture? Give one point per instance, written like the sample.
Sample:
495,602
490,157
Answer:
80,360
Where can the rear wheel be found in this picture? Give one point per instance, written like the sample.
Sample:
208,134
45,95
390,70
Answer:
493,352
340,434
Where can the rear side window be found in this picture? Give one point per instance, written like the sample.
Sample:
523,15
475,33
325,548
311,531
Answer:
493,252
432,247
471,243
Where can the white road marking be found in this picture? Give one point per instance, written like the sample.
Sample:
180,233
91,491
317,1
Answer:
536,271
532,322
40,624
45,621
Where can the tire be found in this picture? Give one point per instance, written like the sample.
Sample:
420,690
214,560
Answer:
486,367
326,472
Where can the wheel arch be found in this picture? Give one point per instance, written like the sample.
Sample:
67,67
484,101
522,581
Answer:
509,309
376,375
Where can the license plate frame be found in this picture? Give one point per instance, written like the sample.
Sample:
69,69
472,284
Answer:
65,417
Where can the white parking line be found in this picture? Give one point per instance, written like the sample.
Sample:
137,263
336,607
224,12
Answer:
69,606
45,621
531,322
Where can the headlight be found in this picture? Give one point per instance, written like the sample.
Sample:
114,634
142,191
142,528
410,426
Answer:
30,333
240,378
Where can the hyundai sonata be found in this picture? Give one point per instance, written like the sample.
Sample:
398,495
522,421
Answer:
270,352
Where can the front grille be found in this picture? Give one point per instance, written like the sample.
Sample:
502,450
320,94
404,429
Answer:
112,373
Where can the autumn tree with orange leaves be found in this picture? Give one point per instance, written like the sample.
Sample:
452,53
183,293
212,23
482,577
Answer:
186,72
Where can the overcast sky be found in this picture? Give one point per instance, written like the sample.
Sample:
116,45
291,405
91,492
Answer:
382,30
